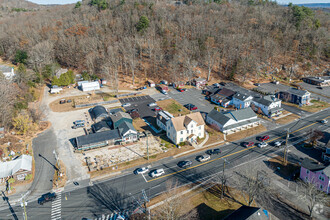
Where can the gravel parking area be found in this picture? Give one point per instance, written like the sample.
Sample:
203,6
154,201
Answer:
192,96
322,94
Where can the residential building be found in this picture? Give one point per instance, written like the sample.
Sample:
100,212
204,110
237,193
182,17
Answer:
268,105
98,113
199,82
185,128
326,153
248,213
316,173
162,118
98,139
89,86
241,100
296,96
222,97
232,121
114,110
178,84
17,169
127,132
319,81
7,71
119,118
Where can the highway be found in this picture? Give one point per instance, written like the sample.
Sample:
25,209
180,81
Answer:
125,192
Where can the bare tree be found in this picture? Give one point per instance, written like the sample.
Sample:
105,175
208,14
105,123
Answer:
128,49
7,101
211,55
315,135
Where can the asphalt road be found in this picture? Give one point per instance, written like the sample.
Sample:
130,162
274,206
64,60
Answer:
124,193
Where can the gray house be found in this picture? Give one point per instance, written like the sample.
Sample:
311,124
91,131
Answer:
119,118
296,96
232,121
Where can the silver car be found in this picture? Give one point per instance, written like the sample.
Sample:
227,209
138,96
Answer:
203,158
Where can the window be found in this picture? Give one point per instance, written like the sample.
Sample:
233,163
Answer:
306,178
199,134
181,132
321,178
200,127
192,126
307,171
181,139
321,186
192,131
187,131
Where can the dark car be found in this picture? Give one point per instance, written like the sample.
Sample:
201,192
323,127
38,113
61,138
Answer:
213,151
62,101
264,138
185,163
190,107
248,144
78,126
223,83
132,110
46,198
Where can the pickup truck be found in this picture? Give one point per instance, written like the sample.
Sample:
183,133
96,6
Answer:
46,198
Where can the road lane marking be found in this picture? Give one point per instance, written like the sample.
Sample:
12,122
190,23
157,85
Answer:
228,155
144,178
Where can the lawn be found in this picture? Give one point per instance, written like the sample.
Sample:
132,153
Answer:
287,119
316,106
246,133
173,107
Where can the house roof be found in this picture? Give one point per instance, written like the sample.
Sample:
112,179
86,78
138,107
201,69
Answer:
9,168
218,117
125,127
99,111
312,165
226,92
164,116
326,171
320,79
199,79
298,92
98,137
114,111
247,213
119,115
5,69
180,122
241,114
100,125
242,97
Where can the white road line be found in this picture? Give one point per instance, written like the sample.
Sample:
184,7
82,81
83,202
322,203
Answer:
56,208
56,213
144,178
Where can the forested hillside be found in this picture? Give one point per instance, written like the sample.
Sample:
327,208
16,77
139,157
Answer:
161,39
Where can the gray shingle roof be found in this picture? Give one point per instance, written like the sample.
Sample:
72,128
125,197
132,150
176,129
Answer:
114,111
262,101
312,165
218,117
119,115
247,213
241,114
298,92
97,137
124,127
102,125
226,92
242,97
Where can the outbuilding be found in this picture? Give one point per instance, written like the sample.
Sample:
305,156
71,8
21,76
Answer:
99,113
89,86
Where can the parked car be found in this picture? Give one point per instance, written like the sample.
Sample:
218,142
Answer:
257,84
213,151
181,90
164,92
79,122
152,104
264,138
248,144
203,158
185,163
190,107
46,198
158,109
157,173
78,126
126,105
262,144
62,101
131,110
69,101
324,121
141,170
278,143
216,85
223,83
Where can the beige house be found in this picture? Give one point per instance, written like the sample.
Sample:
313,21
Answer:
185,128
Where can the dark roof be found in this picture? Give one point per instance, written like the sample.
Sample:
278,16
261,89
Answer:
102,125
119,115
247,212
226,92
318,79
218,117
312,165
125,126
218,97
241,114
99,111
297,92
241,97
114,111
98,137
262,101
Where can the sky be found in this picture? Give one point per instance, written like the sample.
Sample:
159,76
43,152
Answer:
279,1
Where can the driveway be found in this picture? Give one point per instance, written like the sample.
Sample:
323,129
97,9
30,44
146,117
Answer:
192,96
43,145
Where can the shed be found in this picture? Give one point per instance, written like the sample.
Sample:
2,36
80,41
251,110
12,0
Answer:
90,86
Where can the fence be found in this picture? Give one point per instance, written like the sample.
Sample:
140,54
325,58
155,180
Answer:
96,103
127,94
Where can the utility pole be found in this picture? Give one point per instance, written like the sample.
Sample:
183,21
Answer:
24,208
285,154
147,148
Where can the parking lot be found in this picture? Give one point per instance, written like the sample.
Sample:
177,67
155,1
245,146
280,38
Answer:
316,93
192,96
141,104
272,88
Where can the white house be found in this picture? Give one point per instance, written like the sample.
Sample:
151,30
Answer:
241,100
233,121
127,132
185,128
90,86
17,169
163,117
269,105
7,71
55,89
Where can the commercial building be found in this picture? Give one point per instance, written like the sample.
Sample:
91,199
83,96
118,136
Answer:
17,169
318,81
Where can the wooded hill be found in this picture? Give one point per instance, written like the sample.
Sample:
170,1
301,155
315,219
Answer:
161,39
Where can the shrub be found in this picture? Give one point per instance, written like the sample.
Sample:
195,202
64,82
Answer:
28,177
11,180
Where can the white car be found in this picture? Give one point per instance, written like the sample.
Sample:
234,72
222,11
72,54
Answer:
324,121
126,105
164,92
157,173
278,143
152,104
262,144
141,170
203,158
